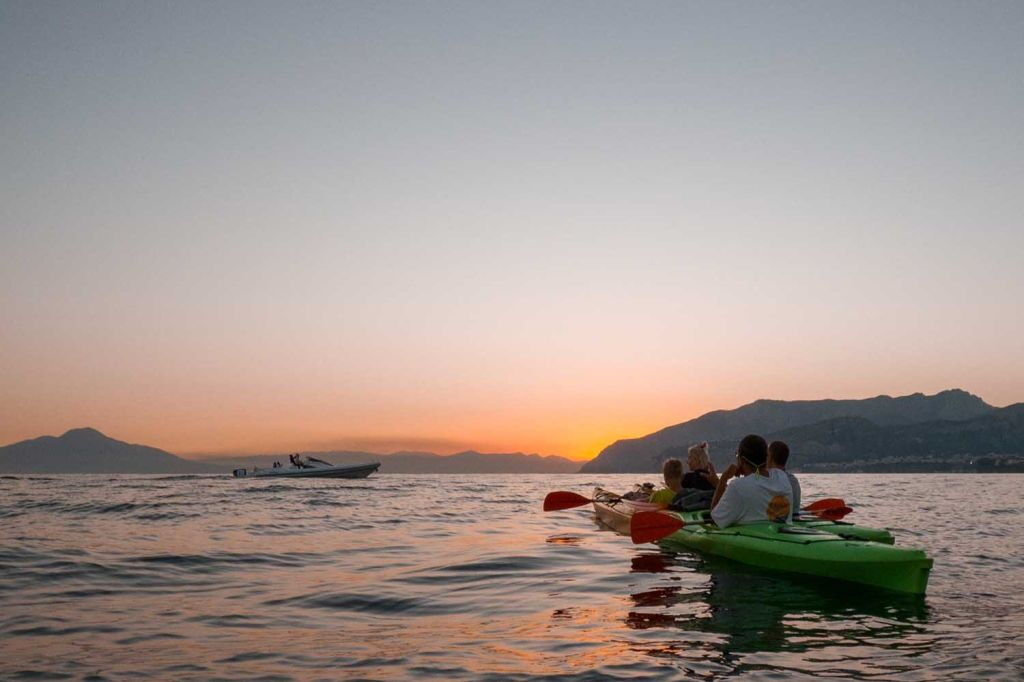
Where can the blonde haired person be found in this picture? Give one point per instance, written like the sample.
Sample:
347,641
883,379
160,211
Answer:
702,475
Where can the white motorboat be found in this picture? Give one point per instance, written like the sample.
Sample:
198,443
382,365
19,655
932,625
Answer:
319,470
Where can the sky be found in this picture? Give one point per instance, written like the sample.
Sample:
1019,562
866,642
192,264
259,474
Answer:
516,226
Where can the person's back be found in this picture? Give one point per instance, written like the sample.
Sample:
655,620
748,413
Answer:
794,485
758,494
778,456
754,498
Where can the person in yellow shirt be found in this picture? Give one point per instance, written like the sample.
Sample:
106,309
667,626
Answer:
672,470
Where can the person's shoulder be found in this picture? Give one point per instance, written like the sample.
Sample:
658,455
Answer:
744,481
740,485
663,496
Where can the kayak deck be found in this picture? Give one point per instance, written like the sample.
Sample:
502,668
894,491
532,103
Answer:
615,512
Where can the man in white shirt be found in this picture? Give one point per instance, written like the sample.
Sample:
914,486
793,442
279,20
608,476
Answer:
757,494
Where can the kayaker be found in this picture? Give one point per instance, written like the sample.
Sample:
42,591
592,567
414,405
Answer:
778,455
702,475
757,494
672,470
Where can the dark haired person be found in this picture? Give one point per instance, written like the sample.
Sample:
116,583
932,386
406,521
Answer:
778,455
757,493
672,470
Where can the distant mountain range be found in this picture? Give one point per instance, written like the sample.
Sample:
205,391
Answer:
952,430
87,451
82,451
857,444
834,432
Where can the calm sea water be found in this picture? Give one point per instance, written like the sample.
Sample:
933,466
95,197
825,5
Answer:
446,577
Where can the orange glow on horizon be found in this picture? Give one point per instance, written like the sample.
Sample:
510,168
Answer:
573,437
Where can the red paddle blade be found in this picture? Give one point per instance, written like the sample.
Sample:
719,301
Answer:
833,514
561,499
652,526
827,503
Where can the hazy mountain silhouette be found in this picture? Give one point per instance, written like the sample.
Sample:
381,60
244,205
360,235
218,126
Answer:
87,451
818,431
82,451
849,439
644,455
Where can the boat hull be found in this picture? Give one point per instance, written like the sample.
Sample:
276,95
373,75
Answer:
357,471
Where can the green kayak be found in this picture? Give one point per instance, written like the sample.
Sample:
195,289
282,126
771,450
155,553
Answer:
808,550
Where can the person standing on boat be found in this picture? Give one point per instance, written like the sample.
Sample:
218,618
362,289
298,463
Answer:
297,461
778,455
757,494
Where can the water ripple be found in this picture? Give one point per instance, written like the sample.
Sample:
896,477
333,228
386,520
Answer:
400,577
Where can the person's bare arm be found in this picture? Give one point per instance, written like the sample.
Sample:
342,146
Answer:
711,475
722,483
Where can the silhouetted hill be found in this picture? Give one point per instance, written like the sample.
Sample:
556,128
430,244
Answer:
82,451
846,441
644,455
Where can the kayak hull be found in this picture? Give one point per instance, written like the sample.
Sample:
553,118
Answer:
782,547
616,512
355,471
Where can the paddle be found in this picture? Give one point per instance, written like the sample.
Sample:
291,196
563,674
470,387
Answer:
561,499
834,513
830,509
827,503
651,526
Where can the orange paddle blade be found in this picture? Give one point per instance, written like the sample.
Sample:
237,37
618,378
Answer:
561,499
827,503
652,526
833,514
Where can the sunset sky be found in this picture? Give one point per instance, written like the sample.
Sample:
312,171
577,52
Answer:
512,226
